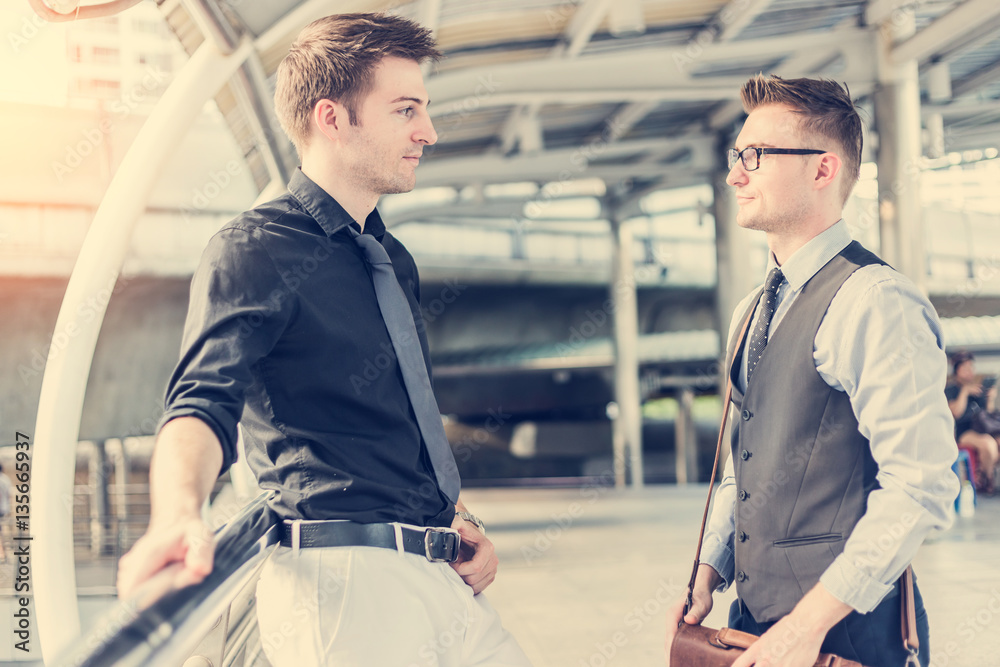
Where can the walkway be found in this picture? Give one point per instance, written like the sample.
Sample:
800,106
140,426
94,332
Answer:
586,574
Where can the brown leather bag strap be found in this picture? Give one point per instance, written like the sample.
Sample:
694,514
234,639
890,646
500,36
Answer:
911,642
715,470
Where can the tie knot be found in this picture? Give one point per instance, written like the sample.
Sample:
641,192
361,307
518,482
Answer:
374,252
774,279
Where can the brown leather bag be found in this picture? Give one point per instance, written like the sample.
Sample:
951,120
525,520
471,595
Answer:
698,646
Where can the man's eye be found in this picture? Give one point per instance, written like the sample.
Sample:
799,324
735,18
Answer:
408,111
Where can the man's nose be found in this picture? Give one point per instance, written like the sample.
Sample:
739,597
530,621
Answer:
425,134
737,174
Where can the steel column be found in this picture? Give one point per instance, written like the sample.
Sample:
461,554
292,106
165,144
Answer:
628,425
897,121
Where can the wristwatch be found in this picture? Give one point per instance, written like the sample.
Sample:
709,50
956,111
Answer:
472,518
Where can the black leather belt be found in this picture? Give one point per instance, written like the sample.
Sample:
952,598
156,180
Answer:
438,545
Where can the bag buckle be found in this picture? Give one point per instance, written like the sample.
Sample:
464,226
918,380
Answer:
911,659
430,541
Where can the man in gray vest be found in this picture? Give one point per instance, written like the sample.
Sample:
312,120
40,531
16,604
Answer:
842,442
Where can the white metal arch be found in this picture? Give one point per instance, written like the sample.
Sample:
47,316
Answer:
57,428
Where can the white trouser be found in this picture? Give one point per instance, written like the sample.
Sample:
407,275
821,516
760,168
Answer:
375,607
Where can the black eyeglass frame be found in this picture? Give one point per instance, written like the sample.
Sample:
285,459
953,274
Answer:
732,155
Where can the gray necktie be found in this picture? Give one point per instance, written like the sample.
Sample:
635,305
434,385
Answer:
403,333
758,341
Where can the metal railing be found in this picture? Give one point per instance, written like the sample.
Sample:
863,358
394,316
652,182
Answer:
211,623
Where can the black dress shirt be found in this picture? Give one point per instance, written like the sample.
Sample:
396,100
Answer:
284,335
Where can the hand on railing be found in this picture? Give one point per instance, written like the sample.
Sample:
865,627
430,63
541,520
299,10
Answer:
165,559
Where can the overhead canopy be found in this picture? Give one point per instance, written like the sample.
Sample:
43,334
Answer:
636,91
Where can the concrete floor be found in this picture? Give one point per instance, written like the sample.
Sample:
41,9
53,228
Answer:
586,574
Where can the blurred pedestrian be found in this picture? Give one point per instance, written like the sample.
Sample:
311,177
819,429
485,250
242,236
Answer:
972,401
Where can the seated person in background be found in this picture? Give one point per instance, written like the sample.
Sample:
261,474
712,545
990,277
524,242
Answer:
973,402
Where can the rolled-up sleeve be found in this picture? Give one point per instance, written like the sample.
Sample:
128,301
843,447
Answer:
893,367
239,307
717,547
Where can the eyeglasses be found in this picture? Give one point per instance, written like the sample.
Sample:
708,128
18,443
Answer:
750,155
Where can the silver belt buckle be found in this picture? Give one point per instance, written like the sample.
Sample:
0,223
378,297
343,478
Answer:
427,545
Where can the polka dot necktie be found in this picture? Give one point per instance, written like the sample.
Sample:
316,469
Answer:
403,333
758,340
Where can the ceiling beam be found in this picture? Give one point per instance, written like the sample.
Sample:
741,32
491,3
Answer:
500,210
248,84
521,128
720,89
252,94
879,10
975,81
805,62
213,24
724,26
626,17
973,137
428,14
581,28
629,115
736,16
564,164
977,36
640,69
273,44
945,31
959,109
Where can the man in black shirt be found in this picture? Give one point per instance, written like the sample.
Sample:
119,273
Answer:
287,334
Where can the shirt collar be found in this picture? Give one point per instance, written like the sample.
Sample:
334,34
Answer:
813,256
330,215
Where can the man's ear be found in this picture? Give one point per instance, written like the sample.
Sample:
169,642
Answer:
329,118
828,167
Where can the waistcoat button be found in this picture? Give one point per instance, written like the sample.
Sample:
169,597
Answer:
743,536
744,455
744,495
747,415
741,576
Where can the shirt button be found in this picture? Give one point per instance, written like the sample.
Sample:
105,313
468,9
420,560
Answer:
744,495
747,415
741,576
744,455
743,536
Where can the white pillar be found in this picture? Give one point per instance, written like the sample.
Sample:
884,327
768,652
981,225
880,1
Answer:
935,135
736,273
628,425
100,514
897,121
60,405
685,442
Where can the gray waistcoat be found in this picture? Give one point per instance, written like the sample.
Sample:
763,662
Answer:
803,471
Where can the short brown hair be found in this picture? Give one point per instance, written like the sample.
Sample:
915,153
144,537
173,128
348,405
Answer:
826,108
334,58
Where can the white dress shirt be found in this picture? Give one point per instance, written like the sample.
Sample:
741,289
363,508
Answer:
880,342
